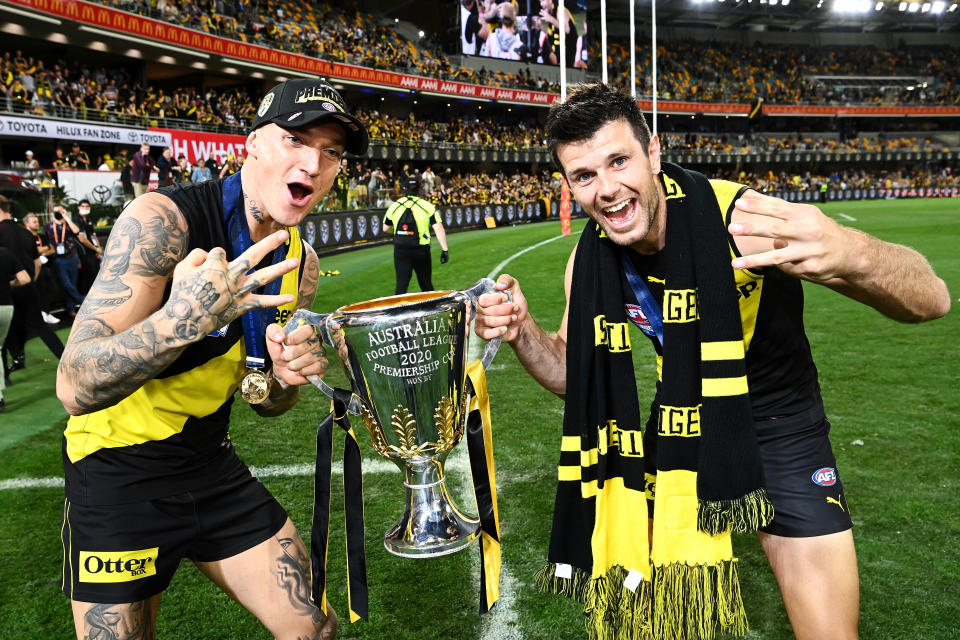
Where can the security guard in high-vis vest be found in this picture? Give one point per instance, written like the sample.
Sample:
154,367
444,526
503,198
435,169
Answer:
187,309
410,219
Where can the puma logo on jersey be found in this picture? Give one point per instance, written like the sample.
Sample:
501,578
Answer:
836,502
653,279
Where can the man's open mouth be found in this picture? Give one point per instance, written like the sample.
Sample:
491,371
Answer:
621,212
299,193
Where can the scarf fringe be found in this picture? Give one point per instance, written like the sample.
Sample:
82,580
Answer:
613,611
697,602
573,587
745,514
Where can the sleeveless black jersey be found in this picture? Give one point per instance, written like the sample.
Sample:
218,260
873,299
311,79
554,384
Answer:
171,434
780,369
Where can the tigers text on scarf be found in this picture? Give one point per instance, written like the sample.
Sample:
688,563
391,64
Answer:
700,466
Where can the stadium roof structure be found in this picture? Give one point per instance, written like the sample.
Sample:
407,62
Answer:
792,15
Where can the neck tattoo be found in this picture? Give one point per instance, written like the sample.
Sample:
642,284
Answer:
253,209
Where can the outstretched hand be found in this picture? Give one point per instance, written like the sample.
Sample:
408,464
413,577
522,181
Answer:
805,242
209,293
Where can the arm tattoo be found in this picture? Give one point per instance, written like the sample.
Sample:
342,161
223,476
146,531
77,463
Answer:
110,290
308,283
107,365
112,366
163,243
293,575
119,622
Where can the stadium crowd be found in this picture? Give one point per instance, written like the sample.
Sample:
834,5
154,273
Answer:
760,143
338,33
792,74
75,90
902,177
725,72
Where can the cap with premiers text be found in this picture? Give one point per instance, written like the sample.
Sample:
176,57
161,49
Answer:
302,101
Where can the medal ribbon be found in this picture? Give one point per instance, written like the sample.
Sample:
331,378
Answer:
254,321
649,305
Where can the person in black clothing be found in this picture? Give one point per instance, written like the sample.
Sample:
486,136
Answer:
160,341
409,219
26,303
126,180
89,249
164,164
63,235
11,273
48,286
78,159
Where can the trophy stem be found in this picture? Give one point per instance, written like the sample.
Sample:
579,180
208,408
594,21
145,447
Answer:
431,525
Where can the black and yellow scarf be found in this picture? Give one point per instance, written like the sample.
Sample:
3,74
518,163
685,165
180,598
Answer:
698,461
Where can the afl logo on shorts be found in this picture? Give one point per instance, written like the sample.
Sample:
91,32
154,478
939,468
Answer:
825,477
637,317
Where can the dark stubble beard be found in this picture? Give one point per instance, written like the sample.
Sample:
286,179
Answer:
647,204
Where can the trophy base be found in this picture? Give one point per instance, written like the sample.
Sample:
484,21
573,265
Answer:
431,526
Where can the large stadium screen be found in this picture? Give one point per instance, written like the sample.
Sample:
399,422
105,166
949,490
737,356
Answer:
524,30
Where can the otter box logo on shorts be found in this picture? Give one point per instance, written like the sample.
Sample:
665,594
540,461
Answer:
117,566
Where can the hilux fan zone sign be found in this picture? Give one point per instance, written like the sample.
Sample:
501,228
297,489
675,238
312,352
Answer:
14,126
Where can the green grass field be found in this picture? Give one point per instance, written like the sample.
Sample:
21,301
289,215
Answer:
894,387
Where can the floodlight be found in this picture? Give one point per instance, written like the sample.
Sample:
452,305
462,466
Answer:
938,7
879,6
952,8
903,6
925,7
773,3
913,8
785,2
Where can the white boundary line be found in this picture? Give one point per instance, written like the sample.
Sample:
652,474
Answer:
375,465
501,622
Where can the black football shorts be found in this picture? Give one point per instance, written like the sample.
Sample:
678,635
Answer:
801,477
128,552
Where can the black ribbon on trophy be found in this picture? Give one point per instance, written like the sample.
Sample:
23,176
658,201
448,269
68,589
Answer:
357,592
479,436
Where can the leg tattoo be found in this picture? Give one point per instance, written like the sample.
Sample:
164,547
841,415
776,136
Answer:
293,574
119,622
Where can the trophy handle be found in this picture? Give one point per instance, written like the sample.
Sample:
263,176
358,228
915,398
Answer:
486,285
319,320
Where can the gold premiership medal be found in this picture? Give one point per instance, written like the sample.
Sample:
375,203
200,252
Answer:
255,386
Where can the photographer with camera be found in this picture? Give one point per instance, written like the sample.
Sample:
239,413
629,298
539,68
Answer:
63,235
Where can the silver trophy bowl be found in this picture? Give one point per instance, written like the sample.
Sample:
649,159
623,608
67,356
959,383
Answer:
405,357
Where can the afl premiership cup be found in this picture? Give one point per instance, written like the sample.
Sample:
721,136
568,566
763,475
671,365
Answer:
405,357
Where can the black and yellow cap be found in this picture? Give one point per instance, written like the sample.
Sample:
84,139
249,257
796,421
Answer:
302,101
